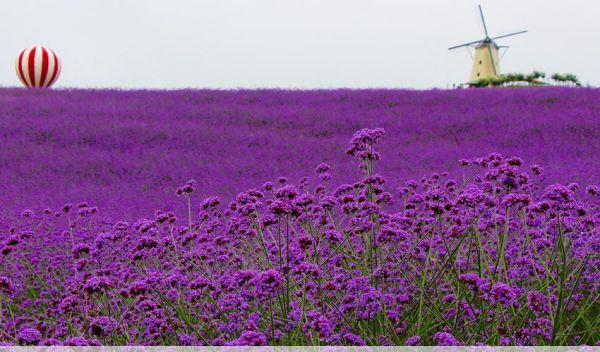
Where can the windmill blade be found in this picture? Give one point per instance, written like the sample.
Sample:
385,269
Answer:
492,59
504,53
466,44
483,20
509,35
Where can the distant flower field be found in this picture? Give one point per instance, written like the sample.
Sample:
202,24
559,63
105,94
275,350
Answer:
275,217
126,151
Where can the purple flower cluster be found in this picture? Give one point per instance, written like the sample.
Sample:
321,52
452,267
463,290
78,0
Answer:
493,259
29,336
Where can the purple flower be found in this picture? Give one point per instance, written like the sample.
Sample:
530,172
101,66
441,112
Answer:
536,169
362,142
146,242
250,338
97,284
318,323
187,340
29,336
67,208
50,342
413,341
511,200
364,138
6,285
541,328
474,282
445,339
369,304
27,213
502,294
537,302
559,194
464,162
593,190
80,249
103,326
354,340
210,202
81,341
392,235
322,168
268,283
187,189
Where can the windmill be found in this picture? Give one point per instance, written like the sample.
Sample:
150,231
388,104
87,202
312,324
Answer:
486,61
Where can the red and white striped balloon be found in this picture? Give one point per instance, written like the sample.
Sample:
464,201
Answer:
38,67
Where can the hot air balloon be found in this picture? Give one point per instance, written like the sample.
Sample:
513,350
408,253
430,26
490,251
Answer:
38,67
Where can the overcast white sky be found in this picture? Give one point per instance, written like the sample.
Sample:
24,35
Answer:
294,43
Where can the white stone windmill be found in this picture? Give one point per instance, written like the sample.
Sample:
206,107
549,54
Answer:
486,61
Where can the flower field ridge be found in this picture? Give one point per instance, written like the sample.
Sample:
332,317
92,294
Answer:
488,253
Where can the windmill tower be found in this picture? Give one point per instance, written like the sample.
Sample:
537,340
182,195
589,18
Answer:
486,61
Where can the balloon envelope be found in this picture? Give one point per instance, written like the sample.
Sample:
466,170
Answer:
38,67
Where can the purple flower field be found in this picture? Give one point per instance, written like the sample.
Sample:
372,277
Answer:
184,218
125,152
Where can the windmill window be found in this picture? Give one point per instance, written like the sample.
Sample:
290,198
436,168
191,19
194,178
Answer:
480,62
478,74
